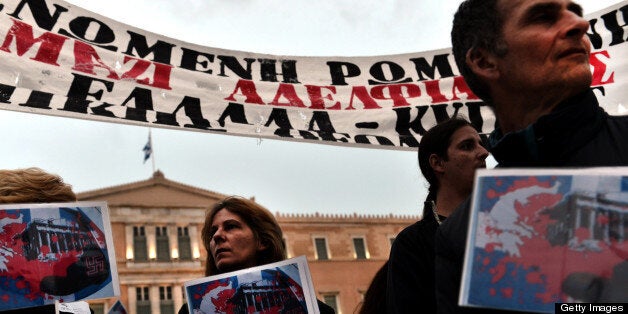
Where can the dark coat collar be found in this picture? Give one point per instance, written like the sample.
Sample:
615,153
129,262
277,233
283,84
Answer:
553,137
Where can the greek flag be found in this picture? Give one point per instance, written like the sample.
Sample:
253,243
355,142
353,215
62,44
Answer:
148,148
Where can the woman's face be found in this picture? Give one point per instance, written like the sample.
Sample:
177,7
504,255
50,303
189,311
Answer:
465,154
233,244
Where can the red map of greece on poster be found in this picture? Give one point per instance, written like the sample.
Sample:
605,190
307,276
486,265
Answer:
539,237
281,287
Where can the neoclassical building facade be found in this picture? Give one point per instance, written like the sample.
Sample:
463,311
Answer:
156,226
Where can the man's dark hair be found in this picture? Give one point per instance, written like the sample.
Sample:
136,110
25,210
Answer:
477,24
436,141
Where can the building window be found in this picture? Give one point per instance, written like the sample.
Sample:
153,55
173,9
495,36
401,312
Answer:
321,248
331,300
166,305
359,248
143,300
392,240
163,244
97,308
185,248
139,244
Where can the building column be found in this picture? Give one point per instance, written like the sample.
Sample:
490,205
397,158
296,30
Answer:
154,299
128,233
578,213
132,302
194,242
151,242
173,241
177,297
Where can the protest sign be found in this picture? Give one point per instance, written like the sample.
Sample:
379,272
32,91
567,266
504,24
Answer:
281,287
61,60
117,308
544,236
55,252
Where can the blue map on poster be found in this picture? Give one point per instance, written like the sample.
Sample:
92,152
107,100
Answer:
539,239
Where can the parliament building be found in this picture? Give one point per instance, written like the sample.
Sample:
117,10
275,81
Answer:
156,226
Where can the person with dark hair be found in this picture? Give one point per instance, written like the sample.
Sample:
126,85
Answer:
449,154
374,301
238,233
529,61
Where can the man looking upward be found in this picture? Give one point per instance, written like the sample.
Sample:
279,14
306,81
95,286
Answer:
529,60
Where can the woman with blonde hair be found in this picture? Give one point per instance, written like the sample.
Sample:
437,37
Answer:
33,185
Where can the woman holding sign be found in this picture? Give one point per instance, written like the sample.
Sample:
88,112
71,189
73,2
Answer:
239,233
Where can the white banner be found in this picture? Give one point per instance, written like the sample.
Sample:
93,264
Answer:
59,59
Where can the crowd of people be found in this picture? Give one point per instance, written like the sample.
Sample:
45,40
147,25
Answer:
529,61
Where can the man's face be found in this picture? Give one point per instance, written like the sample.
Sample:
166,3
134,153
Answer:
547,49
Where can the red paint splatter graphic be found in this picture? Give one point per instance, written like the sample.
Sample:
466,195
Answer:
269,291
41,259
548,235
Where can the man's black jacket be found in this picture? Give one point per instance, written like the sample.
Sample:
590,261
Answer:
578,133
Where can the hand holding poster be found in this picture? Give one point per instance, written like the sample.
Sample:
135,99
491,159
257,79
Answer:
79,307
282,287
55,252
539,237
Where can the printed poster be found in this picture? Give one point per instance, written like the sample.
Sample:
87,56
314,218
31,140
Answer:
282,287
539,237
55,252
117,308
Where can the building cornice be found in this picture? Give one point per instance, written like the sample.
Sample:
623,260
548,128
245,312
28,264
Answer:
354,217
158,179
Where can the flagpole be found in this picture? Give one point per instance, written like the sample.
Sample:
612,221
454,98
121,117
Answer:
152,155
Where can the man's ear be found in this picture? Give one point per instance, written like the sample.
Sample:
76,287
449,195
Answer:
482,63
436,163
